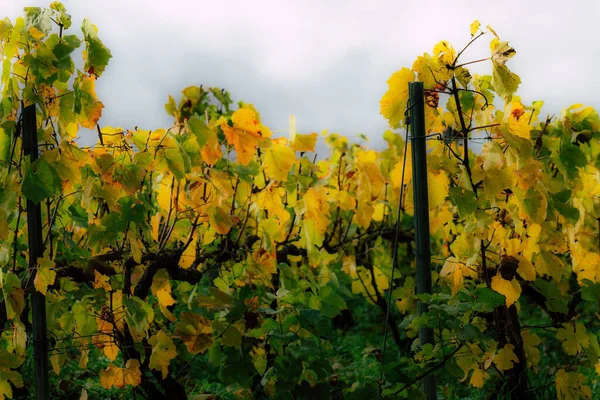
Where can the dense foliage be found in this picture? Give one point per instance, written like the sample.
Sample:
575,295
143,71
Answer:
213,257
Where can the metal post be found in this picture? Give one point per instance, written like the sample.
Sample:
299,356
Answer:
36,250
421,217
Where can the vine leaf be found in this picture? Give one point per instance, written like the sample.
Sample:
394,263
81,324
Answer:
474,27
571,386
96,54
304,142
245,134
161,288
6,378
505,358
278,160
189,255
87,107
195,331
121,377
510,289
531,342
45,275
393,102
574,338
163,351
138,315
41,182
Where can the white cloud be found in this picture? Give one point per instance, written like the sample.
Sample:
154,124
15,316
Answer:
325,61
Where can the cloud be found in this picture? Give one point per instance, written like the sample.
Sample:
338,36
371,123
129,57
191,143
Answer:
325,62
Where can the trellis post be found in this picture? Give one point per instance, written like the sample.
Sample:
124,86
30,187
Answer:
36,250
421,214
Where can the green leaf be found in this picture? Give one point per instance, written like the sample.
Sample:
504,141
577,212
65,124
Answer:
572,158
470,332
132,210
86,323
199,128
163,351
62,51
560,202
505,82
489,297
97,54
464,200
41,182
42,64
138,315
231,337
247,172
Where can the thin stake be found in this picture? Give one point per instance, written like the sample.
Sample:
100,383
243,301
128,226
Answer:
394,253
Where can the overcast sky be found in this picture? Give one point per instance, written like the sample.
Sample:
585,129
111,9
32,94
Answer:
326,62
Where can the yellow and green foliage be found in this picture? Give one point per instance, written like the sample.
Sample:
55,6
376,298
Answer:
214,236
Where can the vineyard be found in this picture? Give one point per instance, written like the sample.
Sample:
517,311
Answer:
213,259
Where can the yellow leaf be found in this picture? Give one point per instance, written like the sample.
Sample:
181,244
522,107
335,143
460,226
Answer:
245,134
467,360
136,248
363,285
57,361
45,275
345,201
444,55
531,341
304,142
455,271
163,351
161,288
393,102
478,378
155,224
505,357
91,108
466,248
211,152
501,52
574,338
474,27
438,188
278,160
189,255
271,199
111,351
364,214
526,270
370,181
121,377
317,208
36,33
101,281
586,264
19,338
510,289
164,298
570,386
379,211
